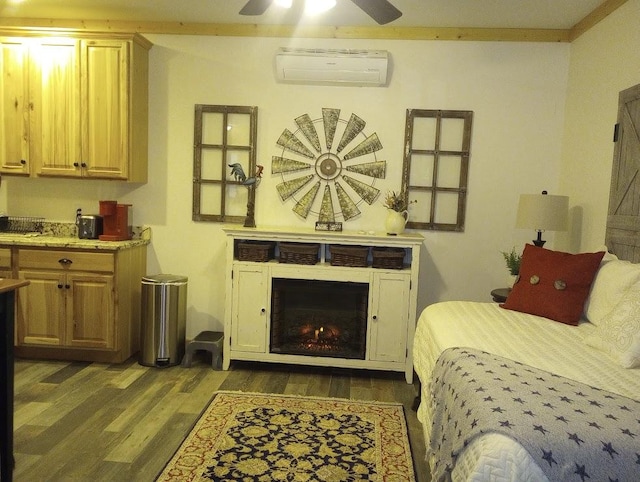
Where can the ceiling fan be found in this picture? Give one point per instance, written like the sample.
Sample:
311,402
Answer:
382,11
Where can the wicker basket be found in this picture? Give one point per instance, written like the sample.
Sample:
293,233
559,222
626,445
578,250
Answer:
299,253
388,258
355,256
260,251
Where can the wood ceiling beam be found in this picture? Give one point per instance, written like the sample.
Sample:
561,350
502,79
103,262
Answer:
292,31
289,31
594,17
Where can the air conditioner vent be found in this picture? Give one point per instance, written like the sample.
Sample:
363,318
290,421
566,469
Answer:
332,66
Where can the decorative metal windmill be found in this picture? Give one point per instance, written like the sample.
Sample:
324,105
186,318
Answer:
313,165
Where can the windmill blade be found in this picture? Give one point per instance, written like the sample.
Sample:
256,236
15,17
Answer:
369,145
256,7
377,169
330,120
380,10
303,206
349,208
286,189
282,164
326,208
354,127
290,142
306,126
368,193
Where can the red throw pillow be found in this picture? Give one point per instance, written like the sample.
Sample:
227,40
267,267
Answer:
553,284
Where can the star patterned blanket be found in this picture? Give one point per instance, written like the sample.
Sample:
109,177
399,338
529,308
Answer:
573,431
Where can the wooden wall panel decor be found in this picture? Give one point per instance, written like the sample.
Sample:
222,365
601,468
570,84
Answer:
623,220
436,168
224,149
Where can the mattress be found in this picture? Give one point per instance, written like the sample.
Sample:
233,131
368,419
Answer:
529,339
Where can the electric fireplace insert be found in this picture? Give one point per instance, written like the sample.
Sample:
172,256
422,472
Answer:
319,318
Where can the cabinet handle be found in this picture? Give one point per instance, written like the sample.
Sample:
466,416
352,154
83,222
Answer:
263,310
374,317
76,164
65,261
23,162
59,287
83,164
67,286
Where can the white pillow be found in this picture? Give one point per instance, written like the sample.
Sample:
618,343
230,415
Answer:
612,280
618,334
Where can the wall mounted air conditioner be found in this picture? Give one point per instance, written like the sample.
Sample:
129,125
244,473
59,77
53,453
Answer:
332,66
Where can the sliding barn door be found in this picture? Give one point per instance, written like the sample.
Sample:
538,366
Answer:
623,222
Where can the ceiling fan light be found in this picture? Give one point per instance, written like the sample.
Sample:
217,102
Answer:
314,7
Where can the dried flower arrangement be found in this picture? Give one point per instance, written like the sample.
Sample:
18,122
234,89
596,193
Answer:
395,201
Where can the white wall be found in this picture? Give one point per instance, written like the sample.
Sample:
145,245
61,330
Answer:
516,90
604,61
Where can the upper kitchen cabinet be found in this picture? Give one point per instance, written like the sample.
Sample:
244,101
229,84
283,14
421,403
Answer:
86,109
14,121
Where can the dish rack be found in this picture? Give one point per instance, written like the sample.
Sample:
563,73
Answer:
21,224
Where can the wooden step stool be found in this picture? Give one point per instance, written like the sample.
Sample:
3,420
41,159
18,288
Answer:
210,341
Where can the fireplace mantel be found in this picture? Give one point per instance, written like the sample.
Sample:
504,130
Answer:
392,299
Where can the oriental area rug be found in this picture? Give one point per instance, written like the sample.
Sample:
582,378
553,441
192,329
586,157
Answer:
264,437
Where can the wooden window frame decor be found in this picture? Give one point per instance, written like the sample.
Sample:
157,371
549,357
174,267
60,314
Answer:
223,176
432,188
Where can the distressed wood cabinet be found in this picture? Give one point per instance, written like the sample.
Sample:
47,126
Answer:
391,299
79,305
75,107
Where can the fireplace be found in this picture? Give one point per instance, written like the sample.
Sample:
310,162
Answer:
319,318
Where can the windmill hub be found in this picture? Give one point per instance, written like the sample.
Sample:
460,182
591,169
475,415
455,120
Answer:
328,166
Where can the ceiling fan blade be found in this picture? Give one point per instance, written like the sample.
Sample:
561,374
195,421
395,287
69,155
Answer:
255,7
380,10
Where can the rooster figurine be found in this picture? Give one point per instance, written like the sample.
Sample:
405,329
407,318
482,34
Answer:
251,182
238,174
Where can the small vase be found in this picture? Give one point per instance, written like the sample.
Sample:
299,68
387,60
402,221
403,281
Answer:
396,221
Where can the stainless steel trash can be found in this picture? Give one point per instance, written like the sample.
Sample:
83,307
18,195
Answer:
164,317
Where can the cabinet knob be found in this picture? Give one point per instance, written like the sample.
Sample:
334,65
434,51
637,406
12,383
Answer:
23,162
76,164
374,317
83,164
263,310
67,286
65,261
59,287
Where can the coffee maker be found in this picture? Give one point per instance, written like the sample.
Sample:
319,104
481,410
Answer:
116,218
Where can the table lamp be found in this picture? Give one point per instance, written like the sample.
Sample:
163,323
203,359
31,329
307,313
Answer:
543,212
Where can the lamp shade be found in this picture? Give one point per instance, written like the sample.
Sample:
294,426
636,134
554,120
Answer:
543,212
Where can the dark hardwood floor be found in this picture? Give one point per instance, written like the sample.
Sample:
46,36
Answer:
99,422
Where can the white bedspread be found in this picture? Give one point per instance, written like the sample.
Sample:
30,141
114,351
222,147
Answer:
533,340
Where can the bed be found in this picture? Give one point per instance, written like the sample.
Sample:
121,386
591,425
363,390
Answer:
586,351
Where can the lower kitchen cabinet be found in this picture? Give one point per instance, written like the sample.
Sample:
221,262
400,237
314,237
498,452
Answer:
79,305
67,309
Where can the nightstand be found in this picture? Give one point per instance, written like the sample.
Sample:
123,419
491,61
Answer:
499,295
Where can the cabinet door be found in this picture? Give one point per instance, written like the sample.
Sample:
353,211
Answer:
105,81
40,314
389,302
250,313
14,147
89,311
54,118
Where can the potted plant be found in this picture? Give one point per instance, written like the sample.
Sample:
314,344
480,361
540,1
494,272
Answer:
512,259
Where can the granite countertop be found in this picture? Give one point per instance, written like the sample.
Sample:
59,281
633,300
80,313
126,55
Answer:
64,236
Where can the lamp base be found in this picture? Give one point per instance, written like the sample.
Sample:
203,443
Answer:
539,241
